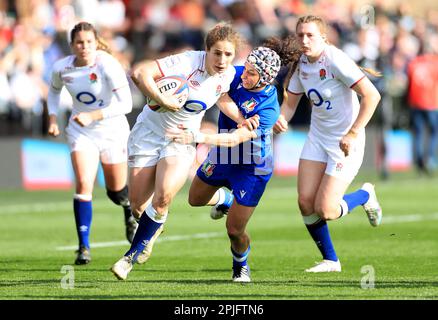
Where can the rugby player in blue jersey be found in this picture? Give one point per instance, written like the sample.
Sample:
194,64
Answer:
243,160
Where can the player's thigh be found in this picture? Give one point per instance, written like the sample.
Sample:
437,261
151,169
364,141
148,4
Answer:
172,173
116,175
201,193
85,164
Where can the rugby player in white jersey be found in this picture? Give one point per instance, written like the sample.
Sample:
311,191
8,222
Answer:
334,149
97,129
159,167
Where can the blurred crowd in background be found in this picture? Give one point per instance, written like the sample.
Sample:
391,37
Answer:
35,33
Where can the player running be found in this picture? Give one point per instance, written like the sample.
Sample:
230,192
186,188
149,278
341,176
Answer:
334,149
159,167
244,161
97,128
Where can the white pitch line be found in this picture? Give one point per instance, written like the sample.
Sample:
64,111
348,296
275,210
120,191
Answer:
409,218
168,238
43,207
386,220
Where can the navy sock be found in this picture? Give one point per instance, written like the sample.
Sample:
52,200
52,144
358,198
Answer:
321,235
83,214
240,259
146,230
356,198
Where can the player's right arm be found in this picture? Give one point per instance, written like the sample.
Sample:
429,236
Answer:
53,101
144,76
288,109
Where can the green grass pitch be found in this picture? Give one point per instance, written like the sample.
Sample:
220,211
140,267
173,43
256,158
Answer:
398,260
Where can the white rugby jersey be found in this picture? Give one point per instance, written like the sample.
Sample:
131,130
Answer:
92,87
204,91
327,83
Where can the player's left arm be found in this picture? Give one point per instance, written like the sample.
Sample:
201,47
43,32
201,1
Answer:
231,139
370,98
266,117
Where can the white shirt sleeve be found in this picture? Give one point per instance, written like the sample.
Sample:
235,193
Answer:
295,85
118,84
54,94
345,69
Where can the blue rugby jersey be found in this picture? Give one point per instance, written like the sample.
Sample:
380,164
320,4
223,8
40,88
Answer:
257,152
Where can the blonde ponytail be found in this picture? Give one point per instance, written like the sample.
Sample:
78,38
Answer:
372,72
103,45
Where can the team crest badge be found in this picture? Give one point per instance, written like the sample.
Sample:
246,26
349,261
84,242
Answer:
218,90
322,74
249,105
93,77
208,168
194,83
339,167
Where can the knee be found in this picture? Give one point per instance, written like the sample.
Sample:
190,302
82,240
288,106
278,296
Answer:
120,198
327,211
83,186
305,203
234,233
162,200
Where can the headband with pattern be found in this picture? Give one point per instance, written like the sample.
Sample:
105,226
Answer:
267,63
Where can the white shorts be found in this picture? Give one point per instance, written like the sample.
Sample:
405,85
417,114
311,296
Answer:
146,148
338,165
109,141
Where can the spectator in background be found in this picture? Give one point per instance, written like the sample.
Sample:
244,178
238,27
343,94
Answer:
423,100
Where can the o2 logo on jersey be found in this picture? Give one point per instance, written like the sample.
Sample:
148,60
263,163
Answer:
88,98
317,99
195,106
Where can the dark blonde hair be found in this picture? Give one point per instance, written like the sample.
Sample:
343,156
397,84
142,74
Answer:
323,28
220,32
85,26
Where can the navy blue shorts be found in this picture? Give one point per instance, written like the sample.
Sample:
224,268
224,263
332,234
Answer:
246,186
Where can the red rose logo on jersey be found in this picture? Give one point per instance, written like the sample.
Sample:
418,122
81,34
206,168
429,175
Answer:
93,78
322,74
218,90
208,168
339,166
249,105
194,83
